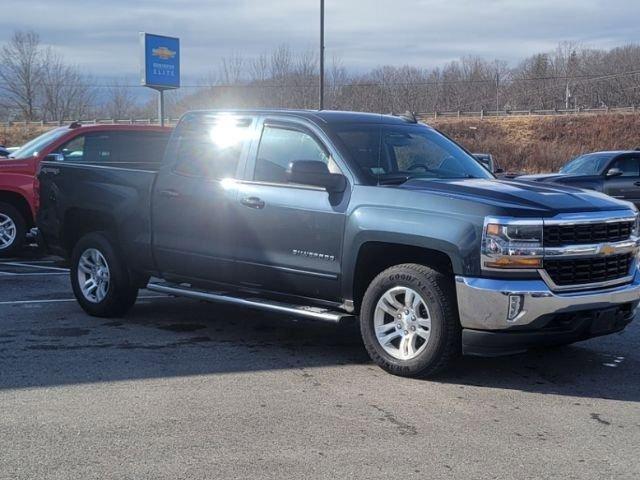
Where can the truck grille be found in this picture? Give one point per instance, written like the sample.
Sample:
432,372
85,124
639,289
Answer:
588,270
580,234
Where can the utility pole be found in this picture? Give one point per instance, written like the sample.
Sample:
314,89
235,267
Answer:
567,97
497,90
321,89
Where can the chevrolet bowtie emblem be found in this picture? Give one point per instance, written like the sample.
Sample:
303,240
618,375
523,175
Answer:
607,250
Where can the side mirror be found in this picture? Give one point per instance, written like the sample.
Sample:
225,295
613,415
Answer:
614,172
499,170
316,173
54,157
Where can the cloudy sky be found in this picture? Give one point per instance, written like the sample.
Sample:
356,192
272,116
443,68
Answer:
102,36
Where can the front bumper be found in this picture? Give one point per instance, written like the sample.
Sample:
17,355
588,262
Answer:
541,317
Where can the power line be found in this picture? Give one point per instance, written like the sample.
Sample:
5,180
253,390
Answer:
588,77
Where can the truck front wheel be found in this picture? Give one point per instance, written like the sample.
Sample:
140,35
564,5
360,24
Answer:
13,230
99,277
409,321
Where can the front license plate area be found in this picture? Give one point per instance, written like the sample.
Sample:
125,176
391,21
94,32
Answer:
606,321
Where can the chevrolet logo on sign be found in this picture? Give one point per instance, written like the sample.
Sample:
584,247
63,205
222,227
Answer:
163,52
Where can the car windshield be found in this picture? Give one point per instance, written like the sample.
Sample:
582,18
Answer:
32,148
393,154
587,164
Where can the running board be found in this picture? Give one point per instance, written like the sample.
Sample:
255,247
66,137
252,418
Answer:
316,313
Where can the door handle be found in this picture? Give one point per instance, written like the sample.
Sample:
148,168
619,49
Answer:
637,184
169,194
253,202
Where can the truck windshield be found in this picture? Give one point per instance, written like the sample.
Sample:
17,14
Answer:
393,154
587,164
32,147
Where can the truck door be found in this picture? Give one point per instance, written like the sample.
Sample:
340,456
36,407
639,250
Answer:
627,185
289,236
194,198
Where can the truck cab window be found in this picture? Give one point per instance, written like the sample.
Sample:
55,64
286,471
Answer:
73,150
279,147
212,148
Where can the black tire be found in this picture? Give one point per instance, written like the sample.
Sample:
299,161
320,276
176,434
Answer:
437,291
121,294
21,230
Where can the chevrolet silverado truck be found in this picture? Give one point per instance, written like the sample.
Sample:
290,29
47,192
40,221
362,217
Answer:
616,173
111,144
338,216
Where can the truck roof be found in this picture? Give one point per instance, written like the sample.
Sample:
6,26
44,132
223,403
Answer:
116,126
318,116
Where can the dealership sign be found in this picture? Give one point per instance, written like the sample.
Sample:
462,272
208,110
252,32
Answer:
160,65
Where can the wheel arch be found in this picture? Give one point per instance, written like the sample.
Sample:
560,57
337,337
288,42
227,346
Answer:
79,222
375,256
20,203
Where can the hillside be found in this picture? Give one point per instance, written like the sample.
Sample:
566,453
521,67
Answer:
530,144
539,144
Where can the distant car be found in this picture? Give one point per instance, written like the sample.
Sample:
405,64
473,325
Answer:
5,152
487,161
616,173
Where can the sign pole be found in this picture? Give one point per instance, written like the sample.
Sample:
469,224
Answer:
161,107
321,99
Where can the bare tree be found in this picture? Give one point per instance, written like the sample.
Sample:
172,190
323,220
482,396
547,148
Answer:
65,92
232,69
120,101
21,73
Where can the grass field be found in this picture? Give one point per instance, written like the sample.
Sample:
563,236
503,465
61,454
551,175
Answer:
542,144
524,144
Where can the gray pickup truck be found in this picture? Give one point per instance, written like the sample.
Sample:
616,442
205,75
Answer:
336,216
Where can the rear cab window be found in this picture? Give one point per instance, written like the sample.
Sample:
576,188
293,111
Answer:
213,146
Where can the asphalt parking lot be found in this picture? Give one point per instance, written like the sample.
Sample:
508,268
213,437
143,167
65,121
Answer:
181,389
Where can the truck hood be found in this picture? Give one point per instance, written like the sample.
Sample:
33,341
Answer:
546,199
18,165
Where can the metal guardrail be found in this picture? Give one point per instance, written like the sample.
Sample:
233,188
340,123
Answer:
426,115
60,123
520,113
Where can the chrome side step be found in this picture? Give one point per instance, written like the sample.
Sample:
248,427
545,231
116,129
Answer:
315,313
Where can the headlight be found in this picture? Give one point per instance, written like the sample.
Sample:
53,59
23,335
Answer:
510,243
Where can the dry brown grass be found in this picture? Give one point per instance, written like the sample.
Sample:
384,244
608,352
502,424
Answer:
541,144
17,135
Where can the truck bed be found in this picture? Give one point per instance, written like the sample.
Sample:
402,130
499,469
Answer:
94,191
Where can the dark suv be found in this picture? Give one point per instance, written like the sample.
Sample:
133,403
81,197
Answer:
615,173
333,215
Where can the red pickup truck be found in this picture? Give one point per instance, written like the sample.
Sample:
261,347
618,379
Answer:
118,146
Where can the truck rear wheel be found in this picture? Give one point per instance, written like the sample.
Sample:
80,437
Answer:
13,230
100,280
409,321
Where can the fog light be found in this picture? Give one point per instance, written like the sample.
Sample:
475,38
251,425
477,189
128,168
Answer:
515,306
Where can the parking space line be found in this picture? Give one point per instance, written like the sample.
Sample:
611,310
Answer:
66,300
26,265
17,260
38,274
